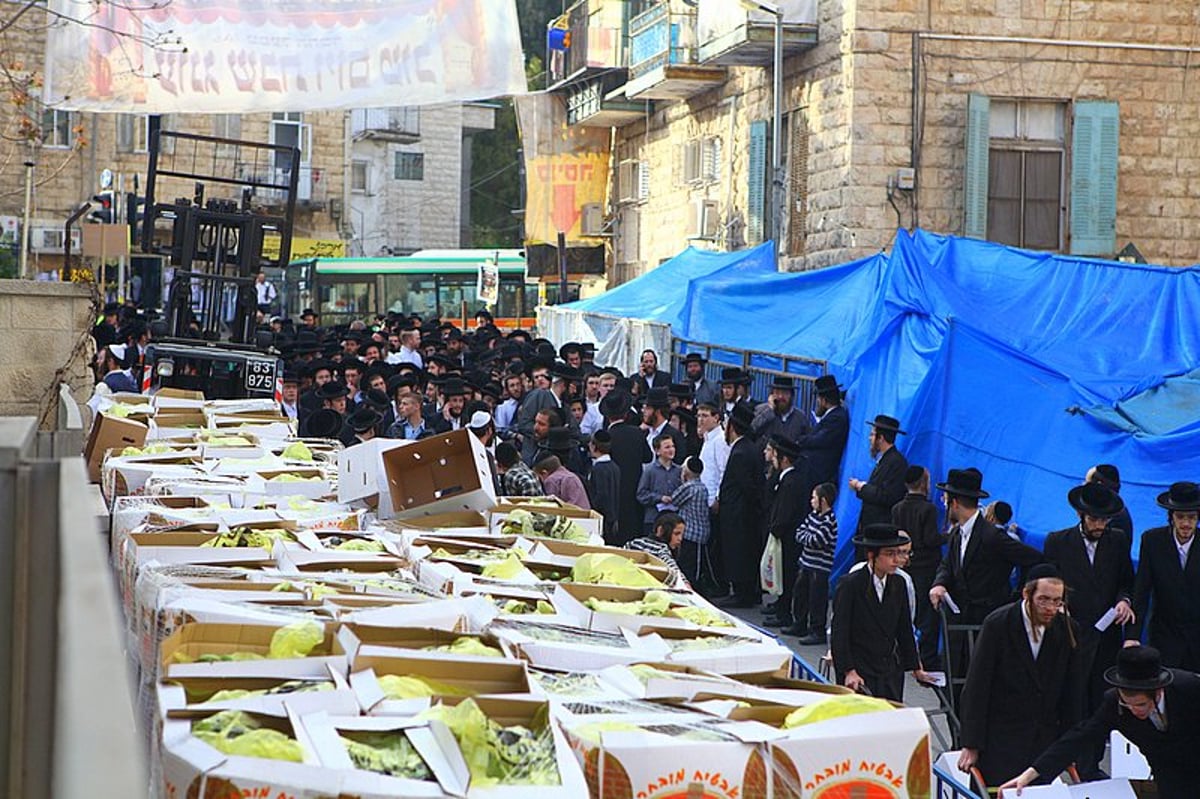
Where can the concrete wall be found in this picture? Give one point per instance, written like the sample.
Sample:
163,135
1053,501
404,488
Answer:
44,328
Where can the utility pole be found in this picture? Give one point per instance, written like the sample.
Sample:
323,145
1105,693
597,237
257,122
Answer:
25,222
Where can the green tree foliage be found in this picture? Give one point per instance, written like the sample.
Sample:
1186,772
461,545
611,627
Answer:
496,154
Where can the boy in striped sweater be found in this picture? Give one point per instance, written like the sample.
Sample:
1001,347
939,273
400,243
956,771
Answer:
817,536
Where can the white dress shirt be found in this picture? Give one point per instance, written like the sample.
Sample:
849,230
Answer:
714,454
1035,641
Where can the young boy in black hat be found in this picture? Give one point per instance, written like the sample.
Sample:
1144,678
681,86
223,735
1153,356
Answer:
872,639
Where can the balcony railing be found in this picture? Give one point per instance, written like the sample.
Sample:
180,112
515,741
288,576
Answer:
399,124
597,33
660,37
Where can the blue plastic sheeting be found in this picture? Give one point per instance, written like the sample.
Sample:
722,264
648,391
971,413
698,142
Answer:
1029,366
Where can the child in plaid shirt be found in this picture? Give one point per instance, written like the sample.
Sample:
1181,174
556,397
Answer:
691,502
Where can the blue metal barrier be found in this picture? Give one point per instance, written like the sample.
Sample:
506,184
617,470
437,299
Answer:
946,787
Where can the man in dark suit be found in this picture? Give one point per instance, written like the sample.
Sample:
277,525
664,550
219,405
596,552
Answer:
649,375
779,416
740,510
654,422
872,639
704,391
1157,709
1024,688
978,561
547,394
1168,581
917,516
787,505
1093,558
629,451
824,445
1109,476
885,487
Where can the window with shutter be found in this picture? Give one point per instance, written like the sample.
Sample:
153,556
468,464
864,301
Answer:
125,126
975,180
692,162
643,175
797,184
757,195
1094,146
711,159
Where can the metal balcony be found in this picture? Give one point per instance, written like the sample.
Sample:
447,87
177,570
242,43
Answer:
663,57
730,34
401,125
597,34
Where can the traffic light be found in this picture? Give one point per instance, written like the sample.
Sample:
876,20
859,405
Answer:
106,213
133,209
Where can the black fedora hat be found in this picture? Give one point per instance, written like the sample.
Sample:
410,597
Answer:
784,446
1139,668
658,397
614,404
783,383
884,422
565,371
877,536
558,439
679,391
734,375
1095,499
324,423
826,385
454,387
964,483
568,348
1183,495
374,398
686,414
695,357
743,414
332,390
364,419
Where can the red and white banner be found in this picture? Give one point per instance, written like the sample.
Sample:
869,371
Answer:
237,56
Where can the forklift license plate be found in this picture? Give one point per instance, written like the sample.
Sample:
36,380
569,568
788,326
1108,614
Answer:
260,376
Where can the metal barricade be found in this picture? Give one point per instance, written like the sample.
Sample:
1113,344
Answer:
763,368
946,787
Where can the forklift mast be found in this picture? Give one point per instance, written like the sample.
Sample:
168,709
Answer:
242,193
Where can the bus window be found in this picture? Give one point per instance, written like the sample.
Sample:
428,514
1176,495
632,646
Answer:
453,291
552,293
511,302
409,294
345,301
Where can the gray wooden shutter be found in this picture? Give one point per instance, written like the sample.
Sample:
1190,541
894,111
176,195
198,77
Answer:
756,204
975,179
1094,177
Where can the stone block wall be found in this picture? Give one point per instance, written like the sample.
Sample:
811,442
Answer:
44,340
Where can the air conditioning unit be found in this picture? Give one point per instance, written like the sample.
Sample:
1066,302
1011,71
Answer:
704,219
49,239
592,221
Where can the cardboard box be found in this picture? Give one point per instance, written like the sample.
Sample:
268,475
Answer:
562,648
740,655
308,487
167,397
448,472
880,754
111,432
193,640
182,697
178,423
474,677
569,598
591,522
729,763
126,476
433,742
360,469
361,641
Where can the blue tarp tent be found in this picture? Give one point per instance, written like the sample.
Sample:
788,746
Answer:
1029,366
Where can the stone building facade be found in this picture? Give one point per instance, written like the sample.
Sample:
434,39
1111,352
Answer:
1068,127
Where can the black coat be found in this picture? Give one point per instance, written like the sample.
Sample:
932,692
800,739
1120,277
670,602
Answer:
740,513
629,452
979,584
1171,596
825,444
1092,588
661,380
870,637
883,489
1171,754
604,490
917,516
1012,706
789,503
